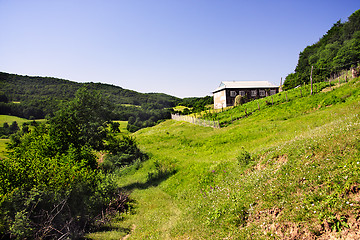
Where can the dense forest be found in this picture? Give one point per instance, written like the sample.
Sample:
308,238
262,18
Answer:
39,97
337,50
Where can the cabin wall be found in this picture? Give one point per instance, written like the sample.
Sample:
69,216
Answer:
220,99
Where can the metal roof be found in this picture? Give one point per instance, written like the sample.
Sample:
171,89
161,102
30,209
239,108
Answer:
245,84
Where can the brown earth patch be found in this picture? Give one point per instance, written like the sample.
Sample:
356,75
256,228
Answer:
269,223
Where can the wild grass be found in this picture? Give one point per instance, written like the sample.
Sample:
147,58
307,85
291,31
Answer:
290,165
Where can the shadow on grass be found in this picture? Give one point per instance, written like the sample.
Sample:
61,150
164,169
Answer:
104,229
109,228
153,180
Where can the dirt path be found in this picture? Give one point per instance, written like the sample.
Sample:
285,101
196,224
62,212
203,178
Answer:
132,230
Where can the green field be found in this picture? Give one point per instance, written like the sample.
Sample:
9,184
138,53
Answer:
289,170
10,119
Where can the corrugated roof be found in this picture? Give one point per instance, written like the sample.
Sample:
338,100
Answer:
245,84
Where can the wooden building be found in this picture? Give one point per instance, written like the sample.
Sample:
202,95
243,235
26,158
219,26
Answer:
224,95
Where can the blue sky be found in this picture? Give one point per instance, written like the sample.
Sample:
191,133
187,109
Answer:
183,48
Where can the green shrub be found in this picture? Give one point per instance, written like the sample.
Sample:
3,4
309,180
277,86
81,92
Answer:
331,100
162,170
122,151
244,158
45,212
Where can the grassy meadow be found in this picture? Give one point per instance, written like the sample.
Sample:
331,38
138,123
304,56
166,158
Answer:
289,170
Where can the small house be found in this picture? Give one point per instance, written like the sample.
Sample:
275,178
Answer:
225,94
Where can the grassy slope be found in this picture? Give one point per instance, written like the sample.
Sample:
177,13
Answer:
303,180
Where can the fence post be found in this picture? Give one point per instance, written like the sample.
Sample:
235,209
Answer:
311,80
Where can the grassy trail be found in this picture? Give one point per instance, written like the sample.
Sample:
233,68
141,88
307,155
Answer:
154,213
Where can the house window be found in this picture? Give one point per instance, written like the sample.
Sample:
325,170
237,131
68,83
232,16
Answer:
253,93
272,92
232,93
242,93
262,93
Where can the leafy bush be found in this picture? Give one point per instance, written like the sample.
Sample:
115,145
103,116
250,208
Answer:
122,151
162,170
239,100
48,214
244,158
331,100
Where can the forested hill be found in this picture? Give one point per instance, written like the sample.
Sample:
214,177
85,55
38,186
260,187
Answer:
337,50
36,97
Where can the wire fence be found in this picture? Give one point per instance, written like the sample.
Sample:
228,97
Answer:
197,121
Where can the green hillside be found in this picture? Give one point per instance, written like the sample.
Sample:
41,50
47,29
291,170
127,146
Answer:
287,171
37,97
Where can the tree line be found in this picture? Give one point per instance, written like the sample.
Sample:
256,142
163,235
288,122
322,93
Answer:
337,50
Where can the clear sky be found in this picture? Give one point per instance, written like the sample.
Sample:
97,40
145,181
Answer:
183,48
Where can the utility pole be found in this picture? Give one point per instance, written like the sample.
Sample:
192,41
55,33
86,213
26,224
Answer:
311,80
